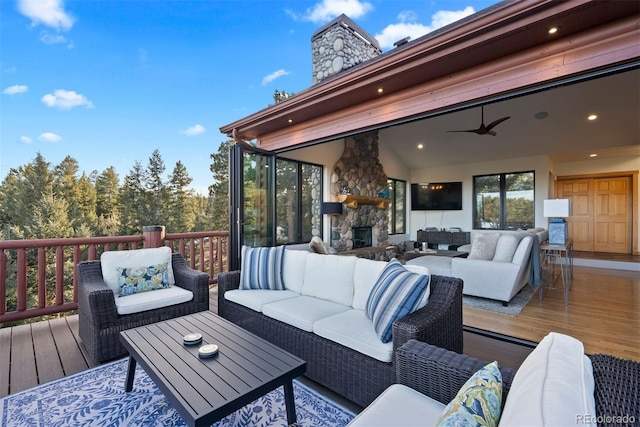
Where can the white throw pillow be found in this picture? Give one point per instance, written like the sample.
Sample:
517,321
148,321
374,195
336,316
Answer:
506,247
293,264
329,277
111,260
553,386
484,246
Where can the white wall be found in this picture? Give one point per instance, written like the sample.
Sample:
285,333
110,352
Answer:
465,172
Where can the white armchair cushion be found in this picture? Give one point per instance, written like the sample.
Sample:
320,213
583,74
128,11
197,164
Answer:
144,301
400,406
111,260
553,386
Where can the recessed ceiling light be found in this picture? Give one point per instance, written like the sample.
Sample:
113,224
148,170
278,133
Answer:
290,120
541,115
592,117
553,30
380,90
420,146
593,155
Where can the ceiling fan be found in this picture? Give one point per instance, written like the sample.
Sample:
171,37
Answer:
484,130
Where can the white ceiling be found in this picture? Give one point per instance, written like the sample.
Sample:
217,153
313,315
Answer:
565,134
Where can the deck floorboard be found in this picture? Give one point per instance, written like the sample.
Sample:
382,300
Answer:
47,360
23,374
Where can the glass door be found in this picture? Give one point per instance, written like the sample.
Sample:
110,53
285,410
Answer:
252,189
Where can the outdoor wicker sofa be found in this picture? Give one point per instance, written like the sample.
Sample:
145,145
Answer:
439,374
99,322
350,373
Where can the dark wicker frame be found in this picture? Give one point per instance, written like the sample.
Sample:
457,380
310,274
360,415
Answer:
99,322
439,374
355,376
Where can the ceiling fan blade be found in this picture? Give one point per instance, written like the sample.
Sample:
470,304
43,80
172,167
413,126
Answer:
497,122
470,130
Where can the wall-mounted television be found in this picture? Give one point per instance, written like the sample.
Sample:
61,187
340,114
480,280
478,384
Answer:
436,196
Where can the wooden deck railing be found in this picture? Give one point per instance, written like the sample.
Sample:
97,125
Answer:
38,277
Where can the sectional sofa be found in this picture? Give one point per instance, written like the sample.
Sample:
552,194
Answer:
319,315
499,264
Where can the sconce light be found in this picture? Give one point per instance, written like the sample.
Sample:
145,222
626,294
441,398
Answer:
331,208
558,210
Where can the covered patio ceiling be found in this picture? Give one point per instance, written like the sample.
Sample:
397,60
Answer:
507,34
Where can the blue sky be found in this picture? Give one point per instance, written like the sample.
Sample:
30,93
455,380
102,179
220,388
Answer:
108,82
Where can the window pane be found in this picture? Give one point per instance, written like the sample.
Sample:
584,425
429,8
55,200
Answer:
487,201
400,206
519,200
311,220
287,216
391,209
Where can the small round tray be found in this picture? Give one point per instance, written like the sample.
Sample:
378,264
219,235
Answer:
192,339
207,350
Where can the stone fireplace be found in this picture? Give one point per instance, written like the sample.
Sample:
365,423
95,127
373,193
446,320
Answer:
359,172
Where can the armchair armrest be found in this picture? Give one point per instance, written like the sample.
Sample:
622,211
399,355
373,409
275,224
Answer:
94,296
617,387
191,280
227,281
439,373
439,322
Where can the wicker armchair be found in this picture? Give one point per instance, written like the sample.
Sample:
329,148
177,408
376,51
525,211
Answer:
439,374
99,322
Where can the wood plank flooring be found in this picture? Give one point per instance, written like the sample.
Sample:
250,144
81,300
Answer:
603,312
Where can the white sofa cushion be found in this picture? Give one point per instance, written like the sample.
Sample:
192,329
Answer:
329,277
397,292
262,268
438,265
354,330
293,265
506,247
399,405
256,298
111,260
365,275
553,386
302,311
144,301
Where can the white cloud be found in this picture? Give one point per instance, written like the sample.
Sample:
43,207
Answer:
66,99
50,13
49,137
194,130
47,38
25,140
271,77
15,89
326,10
407,28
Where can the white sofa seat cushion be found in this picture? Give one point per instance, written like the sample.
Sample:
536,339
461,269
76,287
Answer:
256,298
329,277
399,405
354,330
302,311
111,260
438,265
553,386
159,298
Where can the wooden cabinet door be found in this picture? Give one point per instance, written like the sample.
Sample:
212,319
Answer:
580,224
612,215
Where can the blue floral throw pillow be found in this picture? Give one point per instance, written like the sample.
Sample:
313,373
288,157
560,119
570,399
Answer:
479,401
141,279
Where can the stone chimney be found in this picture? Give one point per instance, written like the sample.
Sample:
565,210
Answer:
340,45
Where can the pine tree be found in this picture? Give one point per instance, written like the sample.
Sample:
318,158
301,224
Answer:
182,215
218,209
157,191
132,200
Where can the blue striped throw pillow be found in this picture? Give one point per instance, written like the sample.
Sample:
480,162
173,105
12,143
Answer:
262,268
396,293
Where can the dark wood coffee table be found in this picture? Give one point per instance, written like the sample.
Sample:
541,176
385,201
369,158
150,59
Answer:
204,391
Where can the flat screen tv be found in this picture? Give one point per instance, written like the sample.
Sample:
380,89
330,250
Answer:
436,196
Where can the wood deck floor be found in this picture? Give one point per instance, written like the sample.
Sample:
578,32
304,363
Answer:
603,312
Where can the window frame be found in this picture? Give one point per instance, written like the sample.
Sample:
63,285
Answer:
503,199
393,205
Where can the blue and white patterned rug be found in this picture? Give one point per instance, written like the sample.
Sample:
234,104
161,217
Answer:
97,398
